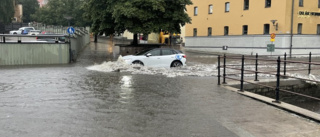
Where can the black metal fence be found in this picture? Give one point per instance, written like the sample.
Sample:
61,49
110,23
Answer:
268,61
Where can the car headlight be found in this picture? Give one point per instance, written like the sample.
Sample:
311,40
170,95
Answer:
127,60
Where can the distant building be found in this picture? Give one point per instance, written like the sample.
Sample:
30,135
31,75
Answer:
245,26
18,12
42,2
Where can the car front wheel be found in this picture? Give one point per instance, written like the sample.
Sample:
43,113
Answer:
176,64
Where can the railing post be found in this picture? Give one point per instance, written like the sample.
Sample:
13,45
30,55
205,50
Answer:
285,64
242,70
219,76
309,70
4,38
224,69
278,81
256,79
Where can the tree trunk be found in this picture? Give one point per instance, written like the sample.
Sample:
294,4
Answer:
95,38
135,39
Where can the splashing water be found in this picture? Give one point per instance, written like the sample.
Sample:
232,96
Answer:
200,70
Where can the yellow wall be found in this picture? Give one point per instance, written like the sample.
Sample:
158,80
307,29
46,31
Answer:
309,22
255,17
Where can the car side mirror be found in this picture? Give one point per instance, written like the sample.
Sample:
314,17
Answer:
149,54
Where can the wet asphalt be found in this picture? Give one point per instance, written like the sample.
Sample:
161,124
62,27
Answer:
70,100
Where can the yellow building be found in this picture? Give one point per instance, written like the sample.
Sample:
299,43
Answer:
244,25
18,12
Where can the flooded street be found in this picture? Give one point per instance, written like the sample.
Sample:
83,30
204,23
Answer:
89,98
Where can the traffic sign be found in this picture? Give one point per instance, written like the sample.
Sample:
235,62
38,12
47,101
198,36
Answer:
273,35
270,48
272,40
70,30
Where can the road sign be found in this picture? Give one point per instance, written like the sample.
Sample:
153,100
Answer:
273,36
70,30
272,40
270,48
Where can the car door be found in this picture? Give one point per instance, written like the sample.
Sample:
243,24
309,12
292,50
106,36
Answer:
167,57
154,59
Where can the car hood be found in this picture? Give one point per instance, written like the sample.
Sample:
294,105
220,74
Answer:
128,56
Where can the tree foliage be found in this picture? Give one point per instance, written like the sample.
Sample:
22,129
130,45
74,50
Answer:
55,11
99,12
29,7
137,16
6,11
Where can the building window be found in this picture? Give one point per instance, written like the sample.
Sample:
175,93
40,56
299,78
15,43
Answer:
300,3
245,30
195,11
318,3
227,7
209,31
226,30
246,5
210,9
266,29
318,29
195,32
268,3
300,28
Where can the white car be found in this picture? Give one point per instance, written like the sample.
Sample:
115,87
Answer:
22,30
34,32
158,58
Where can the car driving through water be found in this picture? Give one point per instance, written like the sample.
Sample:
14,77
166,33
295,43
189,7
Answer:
159,57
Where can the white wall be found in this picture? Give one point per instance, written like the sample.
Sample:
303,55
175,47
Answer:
252,44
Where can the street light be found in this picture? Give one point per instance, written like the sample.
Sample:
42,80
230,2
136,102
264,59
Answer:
275,24
68,18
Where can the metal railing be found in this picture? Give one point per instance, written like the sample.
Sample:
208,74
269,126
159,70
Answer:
279,75
19,36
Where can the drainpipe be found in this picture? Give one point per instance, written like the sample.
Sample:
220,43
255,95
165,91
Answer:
291,33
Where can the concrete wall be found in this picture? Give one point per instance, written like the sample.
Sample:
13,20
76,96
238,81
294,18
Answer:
42,53
78,42
27,54
252,44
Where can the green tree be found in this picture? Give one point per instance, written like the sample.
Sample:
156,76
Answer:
55,11
6,11
100,14
138,16
29,7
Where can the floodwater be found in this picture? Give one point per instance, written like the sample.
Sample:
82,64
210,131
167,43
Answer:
78,100
98,96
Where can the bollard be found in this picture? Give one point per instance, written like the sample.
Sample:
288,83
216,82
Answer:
278,81
256,79
219,70
242,70
309,70
285,64
224,69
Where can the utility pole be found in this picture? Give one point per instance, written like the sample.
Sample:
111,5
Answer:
291,31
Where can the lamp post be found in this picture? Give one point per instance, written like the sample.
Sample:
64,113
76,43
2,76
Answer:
291,31
70,50
68,18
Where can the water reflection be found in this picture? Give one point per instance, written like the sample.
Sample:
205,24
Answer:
126,89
